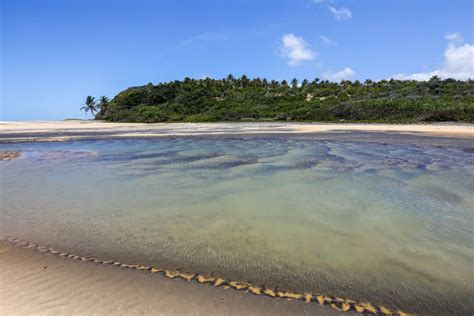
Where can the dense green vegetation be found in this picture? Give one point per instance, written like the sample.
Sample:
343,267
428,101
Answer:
244,99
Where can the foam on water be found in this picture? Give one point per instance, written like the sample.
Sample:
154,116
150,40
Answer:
388,223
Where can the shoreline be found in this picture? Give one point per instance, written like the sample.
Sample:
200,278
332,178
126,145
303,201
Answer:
405,135
38,283
42,131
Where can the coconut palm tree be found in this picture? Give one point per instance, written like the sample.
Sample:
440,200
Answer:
294,85
103,101
90,105
102,106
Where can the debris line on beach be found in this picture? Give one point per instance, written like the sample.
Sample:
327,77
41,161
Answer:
336,303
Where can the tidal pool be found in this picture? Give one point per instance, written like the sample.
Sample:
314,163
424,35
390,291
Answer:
384,222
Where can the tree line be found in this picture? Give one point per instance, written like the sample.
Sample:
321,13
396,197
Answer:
245,99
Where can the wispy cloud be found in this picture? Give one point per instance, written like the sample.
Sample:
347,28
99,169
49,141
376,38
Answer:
458,62
322,1
339,75
202,38
341,14
326,40
296,49
454,37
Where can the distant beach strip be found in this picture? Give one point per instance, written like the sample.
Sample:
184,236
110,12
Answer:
337,303
54,131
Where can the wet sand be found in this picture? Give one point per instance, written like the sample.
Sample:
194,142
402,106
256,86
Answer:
68,287
75,130
34,283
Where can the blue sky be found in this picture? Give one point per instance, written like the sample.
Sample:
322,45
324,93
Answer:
55,53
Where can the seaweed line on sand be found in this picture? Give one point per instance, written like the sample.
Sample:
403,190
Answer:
336,303
9,155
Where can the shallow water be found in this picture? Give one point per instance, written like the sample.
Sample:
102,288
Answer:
388,223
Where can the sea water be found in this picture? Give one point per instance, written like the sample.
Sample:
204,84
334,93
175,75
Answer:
388,223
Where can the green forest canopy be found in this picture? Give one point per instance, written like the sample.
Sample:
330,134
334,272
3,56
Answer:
244,99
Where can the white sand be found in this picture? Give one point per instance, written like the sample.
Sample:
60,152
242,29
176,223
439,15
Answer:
66,130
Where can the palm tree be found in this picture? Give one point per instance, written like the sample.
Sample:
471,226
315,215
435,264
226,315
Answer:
244,81
103,101
102,106
231,80
90,105
294,85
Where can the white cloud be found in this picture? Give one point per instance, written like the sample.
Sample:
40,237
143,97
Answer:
341,14
296,49
454,37
421,76
326,40
343,74
458,62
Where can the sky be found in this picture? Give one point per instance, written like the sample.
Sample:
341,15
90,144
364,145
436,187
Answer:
56,52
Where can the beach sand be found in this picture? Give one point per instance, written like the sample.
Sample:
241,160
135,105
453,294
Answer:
35,283
70,130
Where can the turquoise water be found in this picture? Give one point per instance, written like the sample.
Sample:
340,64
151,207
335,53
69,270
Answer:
388,223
